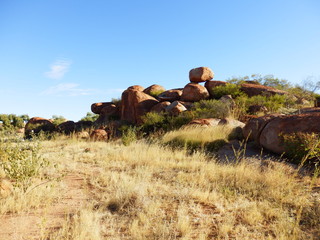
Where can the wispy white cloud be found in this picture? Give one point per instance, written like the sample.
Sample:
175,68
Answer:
68,89
58,69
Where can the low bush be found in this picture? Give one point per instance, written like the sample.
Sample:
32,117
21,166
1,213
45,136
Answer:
21,161
229,89
302,147
211,109
129,135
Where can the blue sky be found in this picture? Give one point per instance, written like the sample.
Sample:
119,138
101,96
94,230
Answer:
57,57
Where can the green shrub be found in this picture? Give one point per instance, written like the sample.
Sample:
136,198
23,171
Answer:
229,89
301,147
21,162
211,109
163,121
129,135
156,93
90,117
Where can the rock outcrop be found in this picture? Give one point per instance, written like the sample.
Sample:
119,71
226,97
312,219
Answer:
210,85
176,108
268,131
37,124
255,125
271,135
154,90
67,127
171,95
255,89
135,104
160,107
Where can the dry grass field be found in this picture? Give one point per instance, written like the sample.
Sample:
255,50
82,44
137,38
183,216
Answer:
86,190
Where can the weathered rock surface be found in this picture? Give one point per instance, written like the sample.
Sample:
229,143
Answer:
200,74
154,90
188,105
209,85
171,95
255,89
308,110
271,135
135,104
194,92
176,108
67,127
254,126
106,113
99,135
97,107
160,107
81,125
37,124
136,87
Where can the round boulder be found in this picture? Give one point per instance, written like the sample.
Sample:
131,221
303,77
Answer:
160,107
136,87
97,107
176,108
67,127
200,74
271,136
154,90
194,92
209,85
171,95
37,124
255,125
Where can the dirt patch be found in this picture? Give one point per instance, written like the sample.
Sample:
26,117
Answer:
34,224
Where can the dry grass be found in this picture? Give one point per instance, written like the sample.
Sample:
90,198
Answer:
201,134
147,191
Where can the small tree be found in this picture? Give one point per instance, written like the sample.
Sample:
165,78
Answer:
90,117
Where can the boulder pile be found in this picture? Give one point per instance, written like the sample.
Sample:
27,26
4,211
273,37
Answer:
136,101
267,131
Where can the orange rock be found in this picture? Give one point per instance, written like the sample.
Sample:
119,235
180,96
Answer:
194,92
37,124
255,89
99,135
154,89
135,104
170,95
200,74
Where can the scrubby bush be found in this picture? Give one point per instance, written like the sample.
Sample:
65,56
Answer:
56,120
21,161
90,117
156,93
129,135
302,147
164,121
12,121
229,89
211,109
